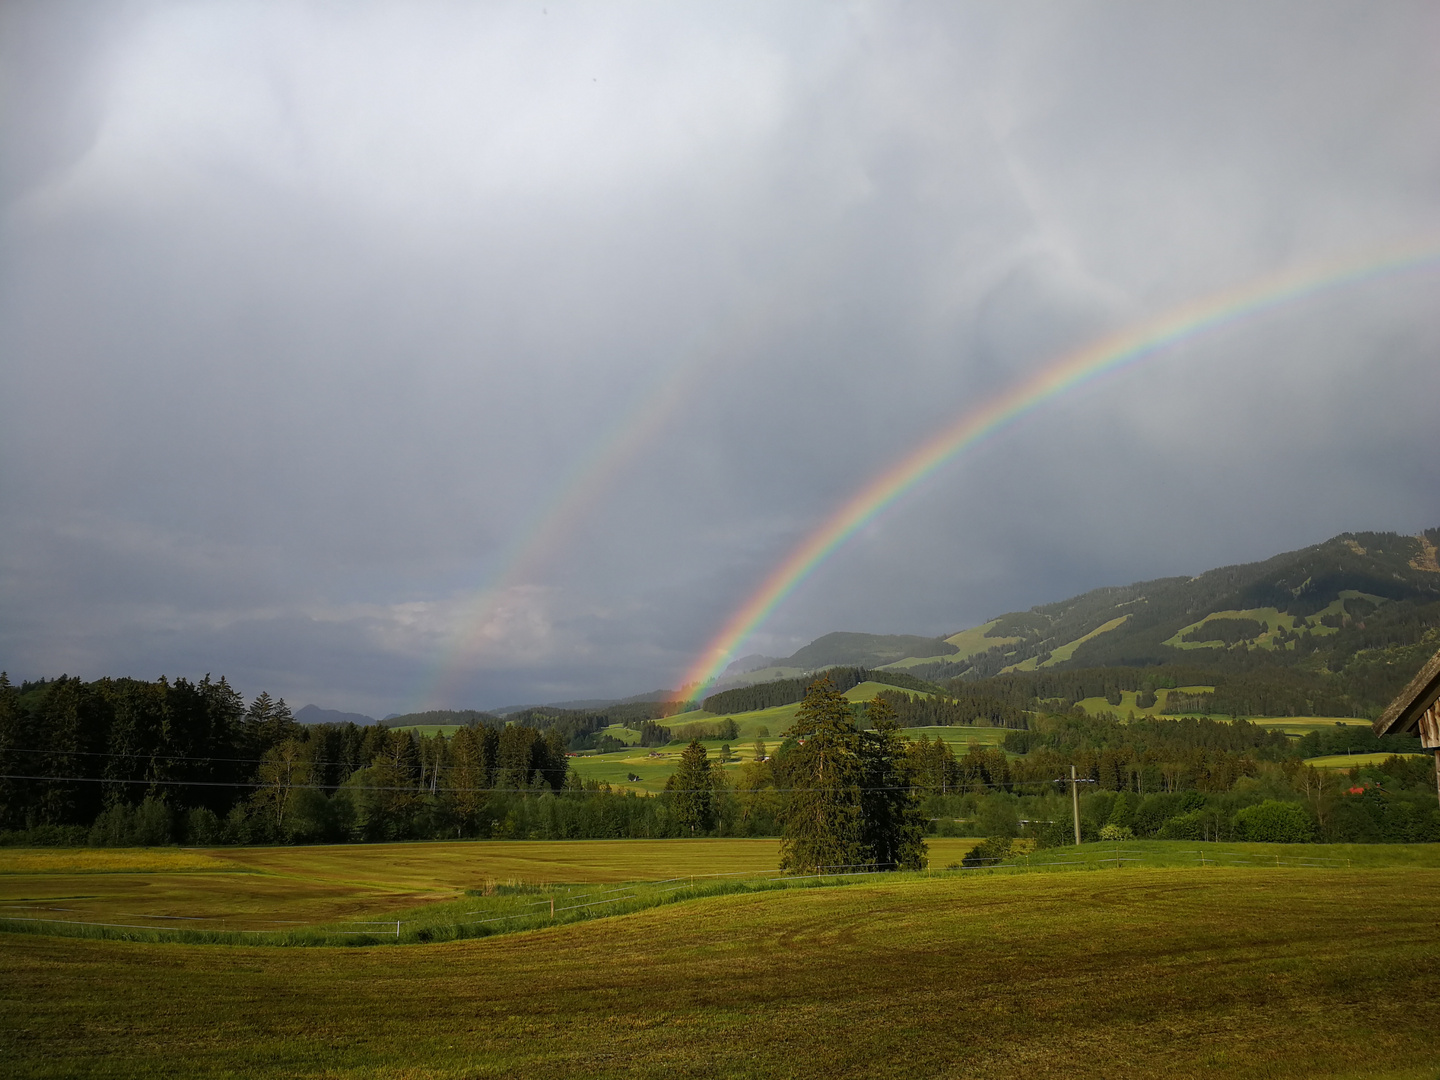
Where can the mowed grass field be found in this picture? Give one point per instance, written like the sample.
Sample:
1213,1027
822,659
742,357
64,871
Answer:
273,889
1124,973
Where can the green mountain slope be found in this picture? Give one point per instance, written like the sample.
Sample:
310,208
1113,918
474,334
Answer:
1353,592
866,650
840,649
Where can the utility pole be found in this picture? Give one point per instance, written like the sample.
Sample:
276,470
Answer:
1075,782
1075,802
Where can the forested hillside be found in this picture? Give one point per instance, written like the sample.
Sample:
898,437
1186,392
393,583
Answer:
1315,609
1331,630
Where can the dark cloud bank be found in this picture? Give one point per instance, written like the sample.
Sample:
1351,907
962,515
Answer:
310,313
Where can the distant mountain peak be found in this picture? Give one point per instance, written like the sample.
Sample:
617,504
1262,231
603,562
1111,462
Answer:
313,714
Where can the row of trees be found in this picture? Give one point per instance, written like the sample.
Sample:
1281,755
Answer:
121,761
1393,802
80,759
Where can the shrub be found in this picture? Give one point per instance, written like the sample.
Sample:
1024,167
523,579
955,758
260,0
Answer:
203,827
1051,834
1117,832
152,823
1275,822
1187,826
992,850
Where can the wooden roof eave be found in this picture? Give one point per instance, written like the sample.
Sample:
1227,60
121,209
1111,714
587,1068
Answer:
1404,712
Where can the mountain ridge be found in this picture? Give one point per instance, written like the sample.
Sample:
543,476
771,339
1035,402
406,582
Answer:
1280,605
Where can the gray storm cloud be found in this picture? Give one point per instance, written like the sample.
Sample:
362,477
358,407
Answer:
437,354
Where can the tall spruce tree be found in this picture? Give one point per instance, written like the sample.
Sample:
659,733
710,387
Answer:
894,828
824,821
691,789
13,738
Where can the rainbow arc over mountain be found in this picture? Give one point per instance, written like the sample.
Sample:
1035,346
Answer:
1099,358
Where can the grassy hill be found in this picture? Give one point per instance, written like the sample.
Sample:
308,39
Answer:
1330,631
1351,619
1378,586
839,649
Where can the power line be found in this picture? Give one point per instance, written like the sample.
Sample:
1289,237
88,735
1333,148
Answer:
510,790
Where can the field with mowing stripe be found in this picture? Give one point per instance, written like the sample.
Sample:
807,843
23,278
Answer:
272,889
1130,973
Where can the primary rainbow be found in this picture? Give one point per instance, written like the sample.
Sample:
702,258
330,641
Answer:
1069,371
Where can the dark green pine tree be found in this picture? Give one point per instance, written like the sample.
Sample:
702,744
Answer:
823,819
894,828
13,737
691,790
268,723
73,726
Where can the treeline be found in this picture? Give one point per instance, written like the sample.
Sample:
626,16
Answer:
1160,735
1229,631
725,729
1062,688
1354,739
966,707
444,717
1393,802
122,760
1192,779
582,729
769,695
789,691
1257,688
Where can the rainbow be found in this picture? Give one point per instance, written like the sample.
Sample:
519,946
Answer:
1102,357
559,519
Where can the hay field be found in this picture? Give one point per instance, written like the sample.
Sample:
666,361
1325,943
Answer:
289,888
1132,973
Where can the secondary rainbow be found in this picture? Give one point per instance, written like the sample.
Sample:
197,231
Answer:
1109,354
560,519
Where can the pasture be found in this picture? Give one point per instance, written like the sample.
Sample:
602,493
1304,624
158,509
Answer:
430,730
1345,762
1132,972
654,765
279,889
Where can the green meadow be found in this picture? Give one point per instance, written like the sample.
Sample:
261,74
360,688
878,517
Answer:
1275,621
654,765
431,730
974,641
1273,961
1351,761
1291,725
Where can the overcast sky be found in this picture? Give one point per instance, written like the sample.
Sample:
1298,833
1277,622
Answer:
401,355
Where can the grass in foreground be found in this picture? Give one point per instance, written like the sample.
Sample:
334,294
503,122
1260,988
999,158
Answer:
1136,973
287,908
292,890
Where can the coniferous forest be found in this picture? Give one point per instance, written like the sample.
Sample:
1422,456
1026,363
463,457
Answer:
120,762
